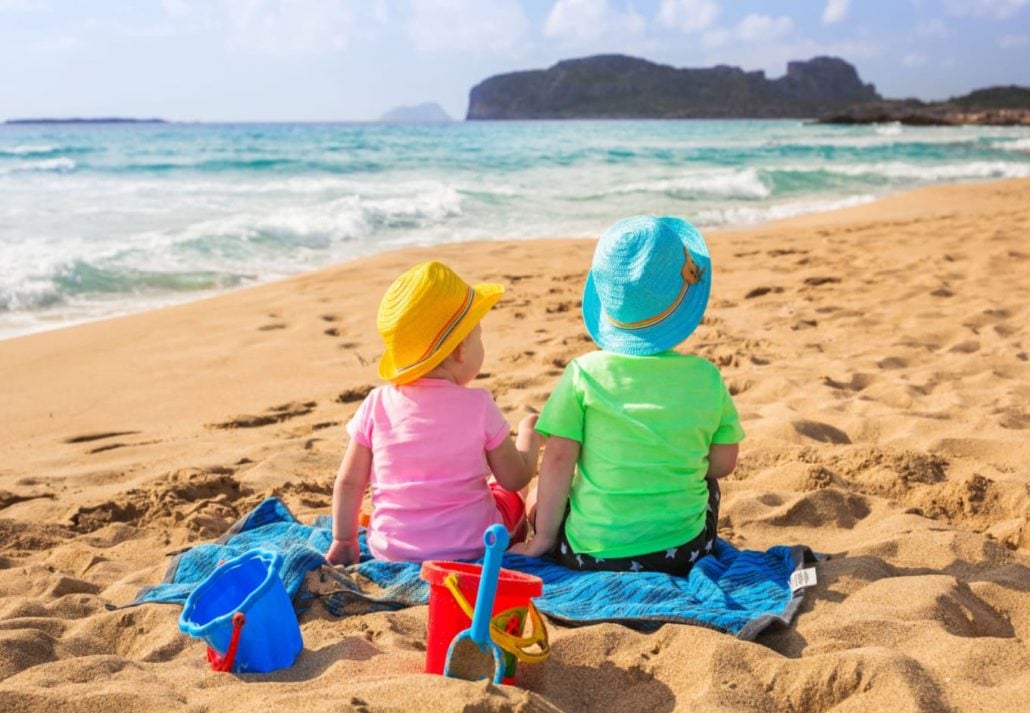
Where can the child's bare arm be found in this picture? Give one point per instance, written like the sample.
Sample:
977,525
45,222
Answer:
722,459
513,464
348,492
556,472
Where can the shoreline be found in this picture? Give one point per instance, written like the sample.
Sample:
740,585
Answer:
877,355
172,300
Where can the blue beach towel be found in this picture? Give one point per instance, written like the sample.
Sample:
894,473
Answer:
740,592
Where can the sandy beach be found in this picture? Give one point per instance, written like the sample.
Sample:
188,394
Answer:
878,356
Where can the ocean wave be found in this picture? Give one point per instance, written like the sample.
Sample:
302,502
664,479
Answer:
247,165
917,172
29,150
891,129
221,253
746,184
1021,145
79,278
746,215
48,165
321,225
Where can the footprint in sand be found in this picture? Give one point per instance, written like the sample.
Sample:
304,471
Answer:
822,507
966,347
892,363
822,432
817,281
356,394
276,414
738,386
857,382
760,291
99,436
564,306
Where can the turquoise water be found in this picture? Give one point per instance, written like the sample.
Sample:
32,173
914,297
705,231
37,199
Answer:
104,220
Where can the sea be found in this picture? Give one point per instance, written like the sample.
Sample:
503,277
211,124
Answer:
103,220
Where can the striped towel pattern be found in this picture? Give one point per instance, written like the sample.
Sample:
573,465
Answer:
740,592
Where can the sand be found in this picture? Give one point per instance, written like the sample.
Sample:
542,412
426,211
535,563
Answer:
879,359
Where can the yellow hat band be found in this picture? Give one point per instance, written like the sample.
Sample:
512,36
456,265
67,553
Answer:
444,332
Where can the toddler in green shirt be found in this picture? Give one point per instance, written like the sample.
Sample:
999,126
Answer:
638,433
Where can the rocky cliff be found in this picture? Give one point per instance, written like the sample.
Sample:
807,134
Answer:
1003,106
621,87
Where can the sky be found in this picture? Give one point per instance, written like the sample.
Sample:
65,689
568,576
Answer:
353,60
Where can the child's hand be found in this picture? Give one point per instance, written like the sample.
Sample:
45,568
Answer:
343,552
536,547
528,440
528,423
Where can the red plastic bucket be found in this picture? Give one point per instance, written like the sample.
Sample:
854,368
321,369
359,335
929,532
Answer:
446,619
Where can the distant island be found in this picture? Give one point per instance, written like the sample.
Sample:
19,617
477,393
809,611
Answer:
999,106
78,120
622,87
426,113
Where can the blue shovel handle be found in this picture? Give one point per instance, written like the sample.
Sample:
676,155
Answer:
496,540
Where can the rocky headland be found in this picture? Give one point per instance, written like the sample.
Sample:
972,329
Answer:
622,87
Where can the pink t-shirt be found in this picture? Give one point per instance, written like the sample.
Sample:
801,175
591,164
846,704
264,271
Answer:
430,498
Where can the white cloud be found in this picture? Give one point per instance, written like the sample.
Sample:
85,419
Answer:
288,26
58,45
584,21
933,28
997,9
835,11
467,25
688,15
1008,42
23,5
121,29
755,28
914,59
380,12
177,8
751,29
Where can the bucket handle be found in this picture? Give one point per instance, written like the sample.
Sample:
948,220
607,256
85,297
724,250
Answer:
508,640
224,663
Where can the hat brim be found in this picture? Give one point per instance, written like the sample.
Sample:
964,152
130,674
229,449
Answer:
667,333
486,296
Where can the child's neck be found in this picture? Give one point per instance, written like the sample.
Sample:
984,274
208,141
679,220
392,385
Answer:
442,372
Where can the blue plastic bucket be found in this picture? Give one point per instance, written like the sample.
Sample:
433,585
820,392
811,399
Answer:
269,637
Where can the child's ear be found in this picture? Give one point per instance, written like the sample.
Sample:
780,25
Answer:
459,352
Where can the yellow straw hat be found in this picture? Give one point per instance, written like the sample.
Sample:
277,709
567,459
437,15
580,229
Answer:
423,317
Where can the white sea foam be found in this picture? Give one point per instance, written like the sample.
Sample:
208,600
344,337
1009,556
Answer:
892,129
920,172
258,244
1021,145
56,165
745,183
27,149
746,215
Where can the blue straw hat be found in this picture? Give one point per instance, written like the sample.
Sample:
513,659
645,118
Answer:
648,285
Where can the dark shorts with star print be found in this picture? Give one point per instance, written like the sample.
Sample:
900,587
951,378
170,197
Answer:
675,560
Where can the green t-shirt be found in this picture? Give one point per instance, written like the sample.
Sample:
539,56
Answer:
645,424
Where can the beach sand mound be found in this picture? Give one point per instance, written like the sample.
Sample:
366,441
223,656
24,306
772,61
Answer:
878,357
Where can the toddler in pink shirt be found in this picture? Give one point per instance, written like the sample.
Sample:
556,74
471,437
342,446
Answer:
435,452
